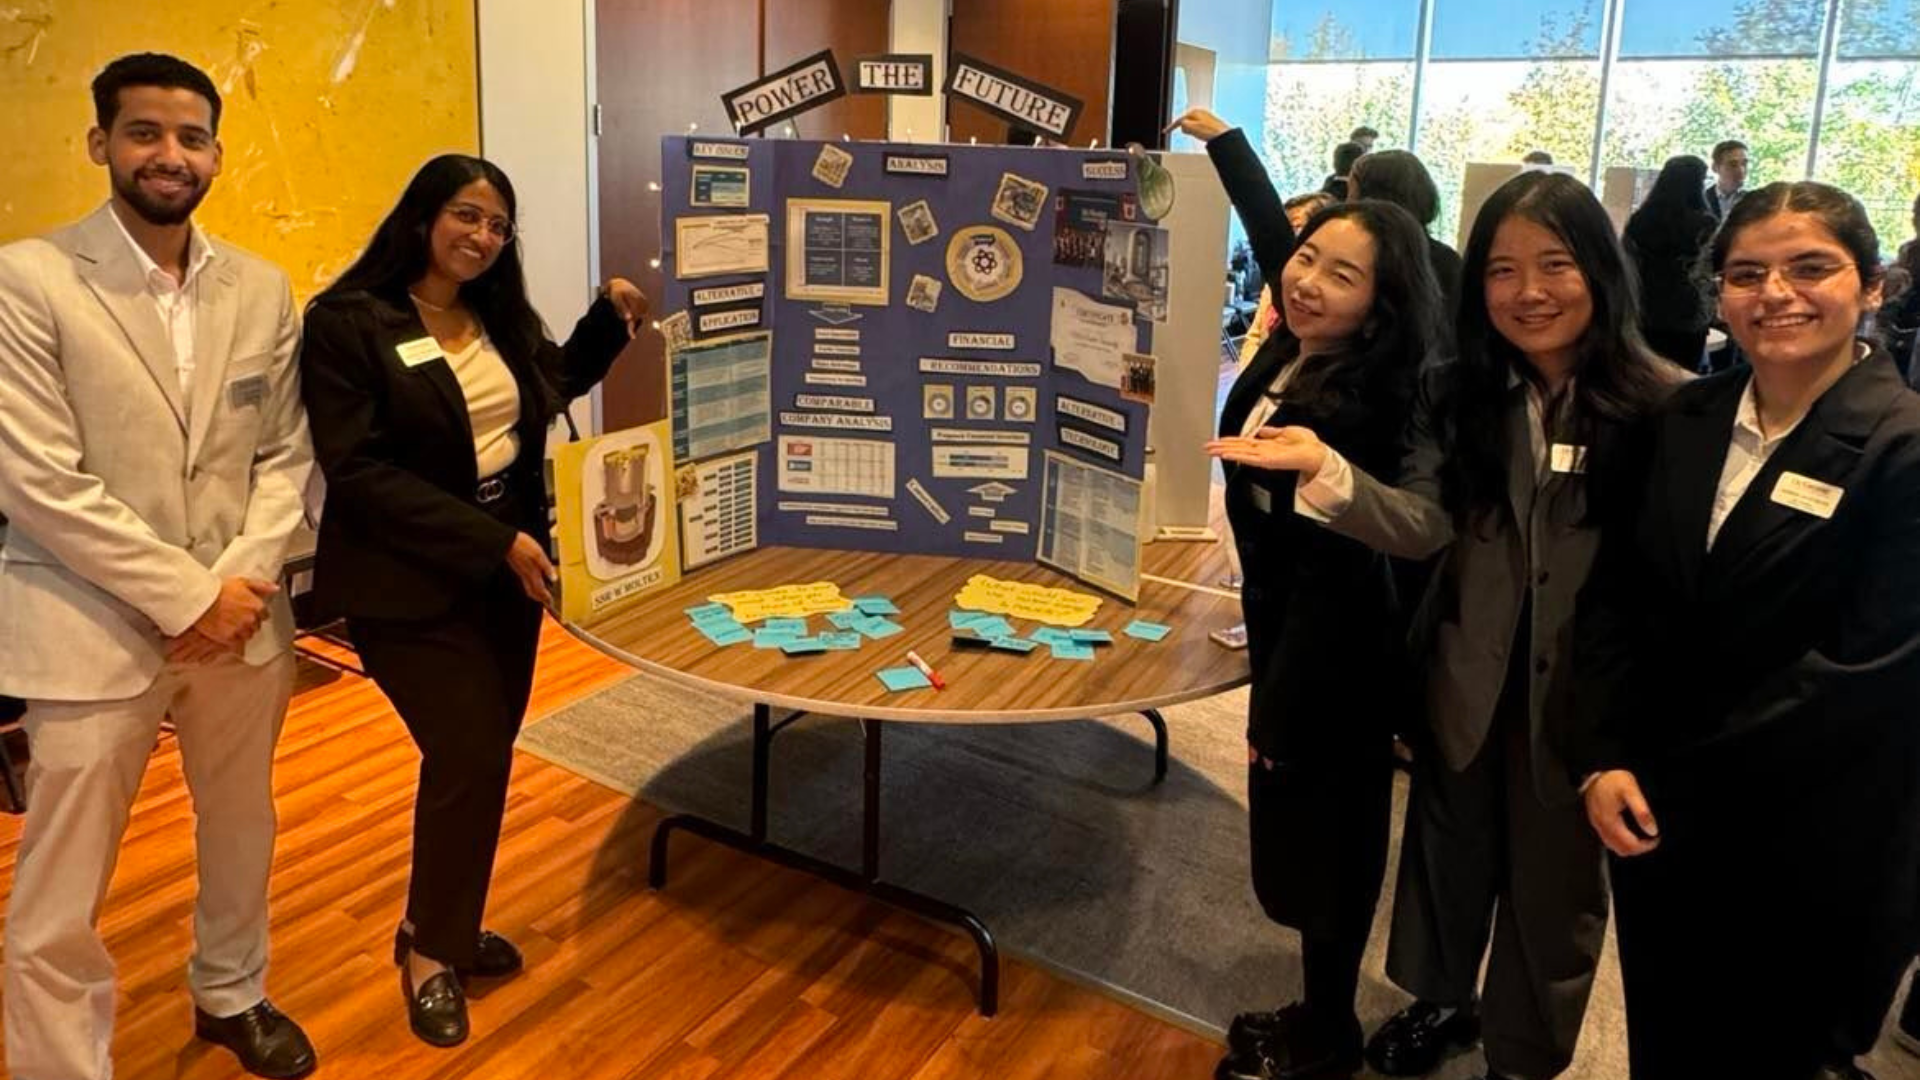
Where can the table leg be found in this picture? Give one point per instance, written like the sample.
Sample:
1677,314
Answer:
1159,742
866,880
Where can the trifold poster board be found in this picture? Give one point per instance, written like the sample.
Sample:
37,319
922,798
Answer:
935,349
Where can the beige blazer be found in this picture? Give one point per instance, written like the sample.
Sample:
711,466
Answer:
127,505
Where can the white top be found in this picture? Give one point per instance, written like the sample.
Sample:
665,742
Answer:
1747,453
174,300
493,404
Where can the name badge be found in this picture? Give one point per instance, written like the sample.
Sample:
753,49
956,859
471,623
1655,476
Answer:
1807,495
247,390
419,351
1262,499
1568,458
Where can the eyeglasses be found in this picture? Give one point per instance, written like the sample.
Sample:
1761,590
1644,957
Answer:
1802,274
472,217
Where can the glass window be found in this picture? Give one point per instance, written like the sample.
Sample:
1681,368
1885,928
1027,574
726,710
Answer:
1659,108
1498,111
1880,28
1681,28
1311,108
1515,30
1308,31
1870,142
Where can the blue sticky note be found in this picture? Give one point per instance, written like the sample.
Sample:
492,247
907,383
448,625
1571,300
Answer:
875,605
902,678
1014,644
1147,631
840,639
874,626
773,639
960,617
1051,635
846,620
722,621
795,627
799,646
699,612
726,636
1091,637
992,626
1071,650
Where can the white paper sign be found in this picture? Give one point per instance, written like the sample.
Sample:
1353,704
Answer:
1089,337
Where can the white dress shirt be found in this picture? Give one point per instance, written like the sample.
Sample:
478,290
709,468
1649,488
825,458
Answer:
1747,452
174,300
1314,490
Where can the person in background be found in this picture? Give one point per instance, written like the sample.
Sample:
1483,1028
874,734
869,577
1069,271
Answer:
1299,209
1900,312
1729,177
430,382
1747,658
152,457
1399,177
1344,156
1519,454
1365,136
1666,237
1537,157
1330,672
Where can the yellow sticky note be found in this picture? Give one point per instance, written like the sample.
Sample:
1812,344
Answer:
813,598
1041,603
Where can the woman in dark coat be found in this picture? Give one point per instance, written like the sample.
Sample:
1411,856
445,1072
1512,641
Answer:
1331,679
1665,238
429,382
1747,668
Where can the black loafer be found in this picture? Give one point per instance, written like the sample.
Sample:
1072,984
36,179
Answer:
437,1011
267,1042
1299,1046
1414,1041
493,958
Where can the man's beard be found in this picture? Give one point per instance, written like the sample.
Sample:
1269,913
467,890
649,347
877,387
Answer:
152,210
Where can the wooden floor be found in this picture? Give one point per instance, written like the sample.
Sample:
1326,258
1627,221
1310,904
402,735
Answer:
737,970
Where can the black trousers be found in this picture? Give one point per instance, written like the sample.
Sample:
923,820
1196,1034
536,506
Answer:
1318,834
460,683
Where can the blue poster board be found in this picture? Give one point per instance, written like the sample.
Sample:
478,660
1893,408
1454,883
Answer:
889,427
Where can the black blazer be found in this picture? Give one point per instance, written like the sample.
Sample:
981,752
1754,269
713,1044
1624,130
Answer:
1764,693
402,536
1325,631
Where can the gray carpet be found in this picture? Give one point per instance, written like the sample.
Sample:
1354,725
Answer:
1054,834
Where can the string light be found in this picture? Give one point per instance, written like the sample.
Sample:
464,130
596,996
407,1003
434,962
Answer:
653,264
653,185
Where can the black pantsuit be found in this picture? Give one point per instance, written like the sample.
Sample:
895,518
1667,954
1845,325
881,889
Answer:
460,683
415,560
1324,639
1765,936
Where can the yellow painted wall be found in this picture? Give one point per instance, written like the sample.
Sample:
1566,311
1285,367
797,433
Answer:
330,107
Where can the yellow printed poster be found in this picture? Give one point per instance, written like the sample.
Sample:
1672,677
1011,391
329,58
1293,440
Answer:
790,601
617,539
1041,603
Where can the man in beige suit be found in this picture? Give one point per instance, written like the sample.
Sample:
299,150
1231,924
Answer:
152,456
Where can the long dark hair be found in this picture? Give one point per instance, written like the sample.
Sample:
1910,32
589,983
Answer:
1380,363
1675,206
1616,378
1398,177
400,252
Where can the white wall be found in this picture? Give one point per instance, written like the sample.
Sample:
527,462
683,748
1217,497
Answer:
918,26
534,123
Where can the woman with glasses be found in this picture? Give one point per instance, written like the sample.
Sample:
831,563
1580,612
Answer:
430,382
1747,667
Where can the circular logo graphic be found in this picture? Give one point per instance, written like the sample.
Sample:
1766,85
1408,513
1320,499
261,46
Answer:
983,262
1019,407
